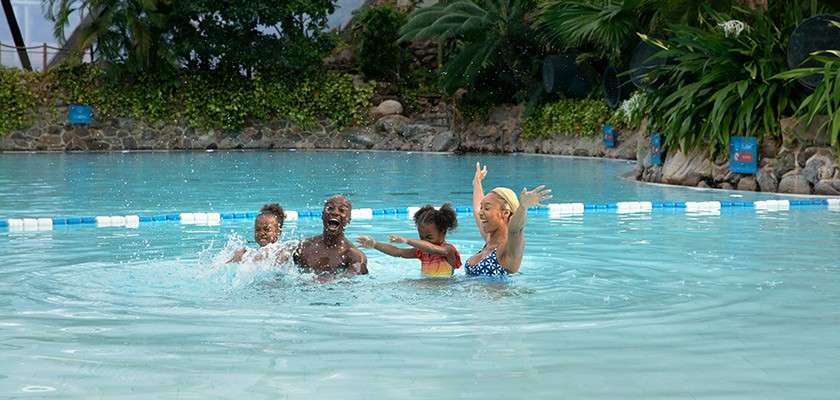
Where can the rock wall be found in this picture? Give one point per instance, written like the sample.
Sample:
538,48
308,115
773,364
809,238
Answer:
801,163
433,130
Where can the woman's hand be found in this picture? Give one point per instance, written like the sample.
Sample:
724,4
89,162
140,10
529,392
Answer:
366,242
397,239
480,173
530,198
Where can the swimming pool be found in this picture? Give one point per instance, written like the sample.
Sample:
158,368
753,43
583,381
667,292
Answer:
736,304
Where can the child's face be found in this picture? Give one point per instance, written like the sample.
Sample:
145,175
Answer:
430,233
266,230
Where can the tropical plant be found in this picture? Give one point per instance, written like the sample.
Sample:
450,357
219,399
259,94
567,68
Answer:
376,32
825,99
608,27
491,41
248,36
718,81
132,33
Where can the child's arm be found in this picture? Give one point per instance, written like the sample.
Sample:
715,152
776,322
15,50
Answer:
237,256
370,243
478,195
425,246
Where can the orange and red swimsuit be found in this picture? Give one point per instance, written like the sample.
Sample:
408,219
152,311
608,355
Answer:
436,265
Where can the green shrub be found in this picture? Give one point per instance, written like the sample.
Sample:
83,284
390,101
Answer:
376,30
568,117
17,99
213,100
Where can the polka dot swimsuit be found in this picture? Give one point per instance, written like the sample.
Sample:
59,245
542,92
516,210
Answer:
488,266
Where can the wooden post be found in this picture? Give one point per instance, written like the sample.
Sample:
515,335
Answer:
44,65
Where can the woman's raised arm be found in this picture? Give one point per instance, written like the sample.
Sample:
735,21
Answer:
515,246
478,195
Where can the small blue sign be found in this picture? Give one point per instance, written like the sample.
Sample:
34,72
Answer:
79,115
655,149
609,136
743,154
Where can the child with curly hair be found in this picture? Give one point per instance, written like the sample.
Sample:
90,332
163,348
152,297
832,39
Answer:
437,257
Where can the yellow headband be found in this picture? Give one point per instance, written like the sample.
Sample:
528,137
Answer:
508,196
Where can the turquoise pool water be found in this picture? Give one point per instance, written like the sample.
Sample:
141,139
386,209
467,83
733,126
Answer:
741,305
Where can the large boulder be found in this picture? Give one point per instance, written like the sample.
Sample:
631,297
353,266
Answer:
820,166
391,124
830,187
784,162
686,169
387,107
444,141
748,183
416,131
766,180
815,134
793,182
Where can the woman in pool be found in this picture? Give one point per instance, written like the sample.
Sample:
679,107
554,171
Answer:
500,217
437,257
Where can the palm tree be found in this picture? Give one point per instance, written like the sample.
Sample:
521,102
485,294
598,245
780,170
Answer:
609,27
131,32
487,36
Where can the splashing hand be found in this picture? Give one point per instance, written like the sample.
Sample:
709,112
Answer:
530,198
366,242
480,173
397,239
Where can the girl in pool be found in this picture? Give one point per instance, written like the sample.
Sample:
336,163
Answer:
267,230
437,258
500,216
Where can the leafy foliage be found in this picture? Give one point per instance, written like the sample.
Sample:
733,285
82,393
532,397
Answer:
492,45
825,99
376,30
251,35
131,33
209,100
608,27
719,84
17,98
567,116
235,36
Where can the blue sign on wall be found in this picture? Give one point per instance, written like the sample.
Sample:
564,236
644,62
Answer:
609,136
743,154
655,148
79,115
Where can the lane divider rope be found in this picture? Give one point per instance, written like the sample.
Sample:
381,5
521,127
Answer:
553,210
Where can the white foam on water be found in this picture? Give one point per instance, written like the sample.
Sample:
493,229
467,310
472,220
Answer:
257,264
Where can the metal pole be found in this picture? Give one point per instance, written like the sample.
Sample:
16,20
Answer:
44,65
18,38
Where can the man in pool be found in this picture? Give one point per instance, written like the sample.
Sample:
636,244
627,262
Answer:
330,253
